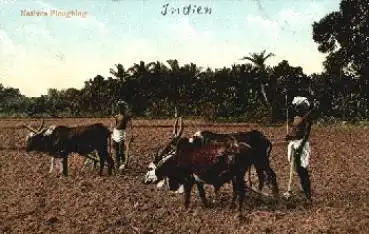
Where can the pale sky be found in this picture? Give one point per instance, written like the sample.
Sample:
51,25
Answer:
41,52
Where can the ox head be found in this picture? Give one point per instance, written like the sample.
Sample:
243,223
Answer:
35,140
164,164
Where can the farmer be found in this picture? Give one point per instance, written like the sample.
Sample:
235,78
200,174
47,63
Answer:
298,151
119,134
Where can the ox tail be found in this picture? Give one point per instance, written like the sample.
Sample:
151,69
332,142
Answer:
249,176
110,144
268,152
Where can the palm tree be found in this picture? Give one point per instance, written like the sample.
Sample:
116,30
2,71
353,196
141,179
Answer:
143,72
173,63
117,85
140,87
120,73
258,59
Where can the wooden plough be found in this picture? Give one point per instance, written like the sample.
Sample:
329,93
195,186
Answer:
266,198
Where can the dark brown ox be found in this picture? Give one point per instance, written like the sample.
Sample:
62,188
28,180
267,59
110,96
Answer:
215,164
261,148
163,165
60,141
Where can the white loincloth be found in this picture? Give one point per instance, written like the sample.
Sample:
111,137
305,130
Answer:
118,135
305,153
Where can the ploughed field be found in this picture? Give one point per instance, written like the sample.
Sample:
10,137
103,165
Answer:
34,201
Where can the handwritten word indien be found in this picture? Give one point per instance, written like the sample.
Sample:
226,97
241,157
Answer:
66,14
186,10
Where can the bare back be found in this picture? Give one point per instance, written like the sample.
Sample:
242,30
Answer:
121,121
300,128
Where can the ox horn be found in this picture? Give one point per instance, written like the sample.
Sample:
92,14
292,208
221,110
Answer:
177,133
155,156
36,131
30,128
42,125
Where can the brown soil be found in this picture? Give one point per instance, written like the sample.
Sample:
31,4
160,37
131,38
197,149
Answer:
34,201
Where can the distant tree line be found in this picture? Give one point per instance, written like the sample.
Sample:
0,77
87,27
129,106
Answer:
246,91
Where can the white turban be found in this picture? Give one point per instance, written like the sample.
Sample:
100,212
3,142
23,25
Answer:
297,101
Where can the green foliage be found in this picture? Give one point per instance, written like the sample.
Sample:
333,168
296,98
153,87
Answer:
343,36
227,94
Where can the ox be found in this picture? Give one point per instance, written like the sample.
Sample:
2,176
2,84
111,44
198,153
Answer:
162,166
255,150
215,164
261,148
60,141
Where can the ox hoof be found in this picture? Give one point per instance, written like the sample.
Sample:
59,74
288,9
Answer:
122,167
180,190
160,184
287,194
232,206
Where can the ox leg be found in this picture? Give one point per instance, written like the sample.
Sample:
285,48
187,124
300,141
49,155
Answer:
86,161
261,164
102,162
93,162
65,165
175,185
52,161
261,177
105,156
249,175
59,162
188,184
200,188
216,192
234,195
272,179
261,170
240,181
110,164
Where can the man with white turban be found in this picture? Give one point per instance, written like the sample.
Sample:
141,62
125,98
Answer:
299,148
